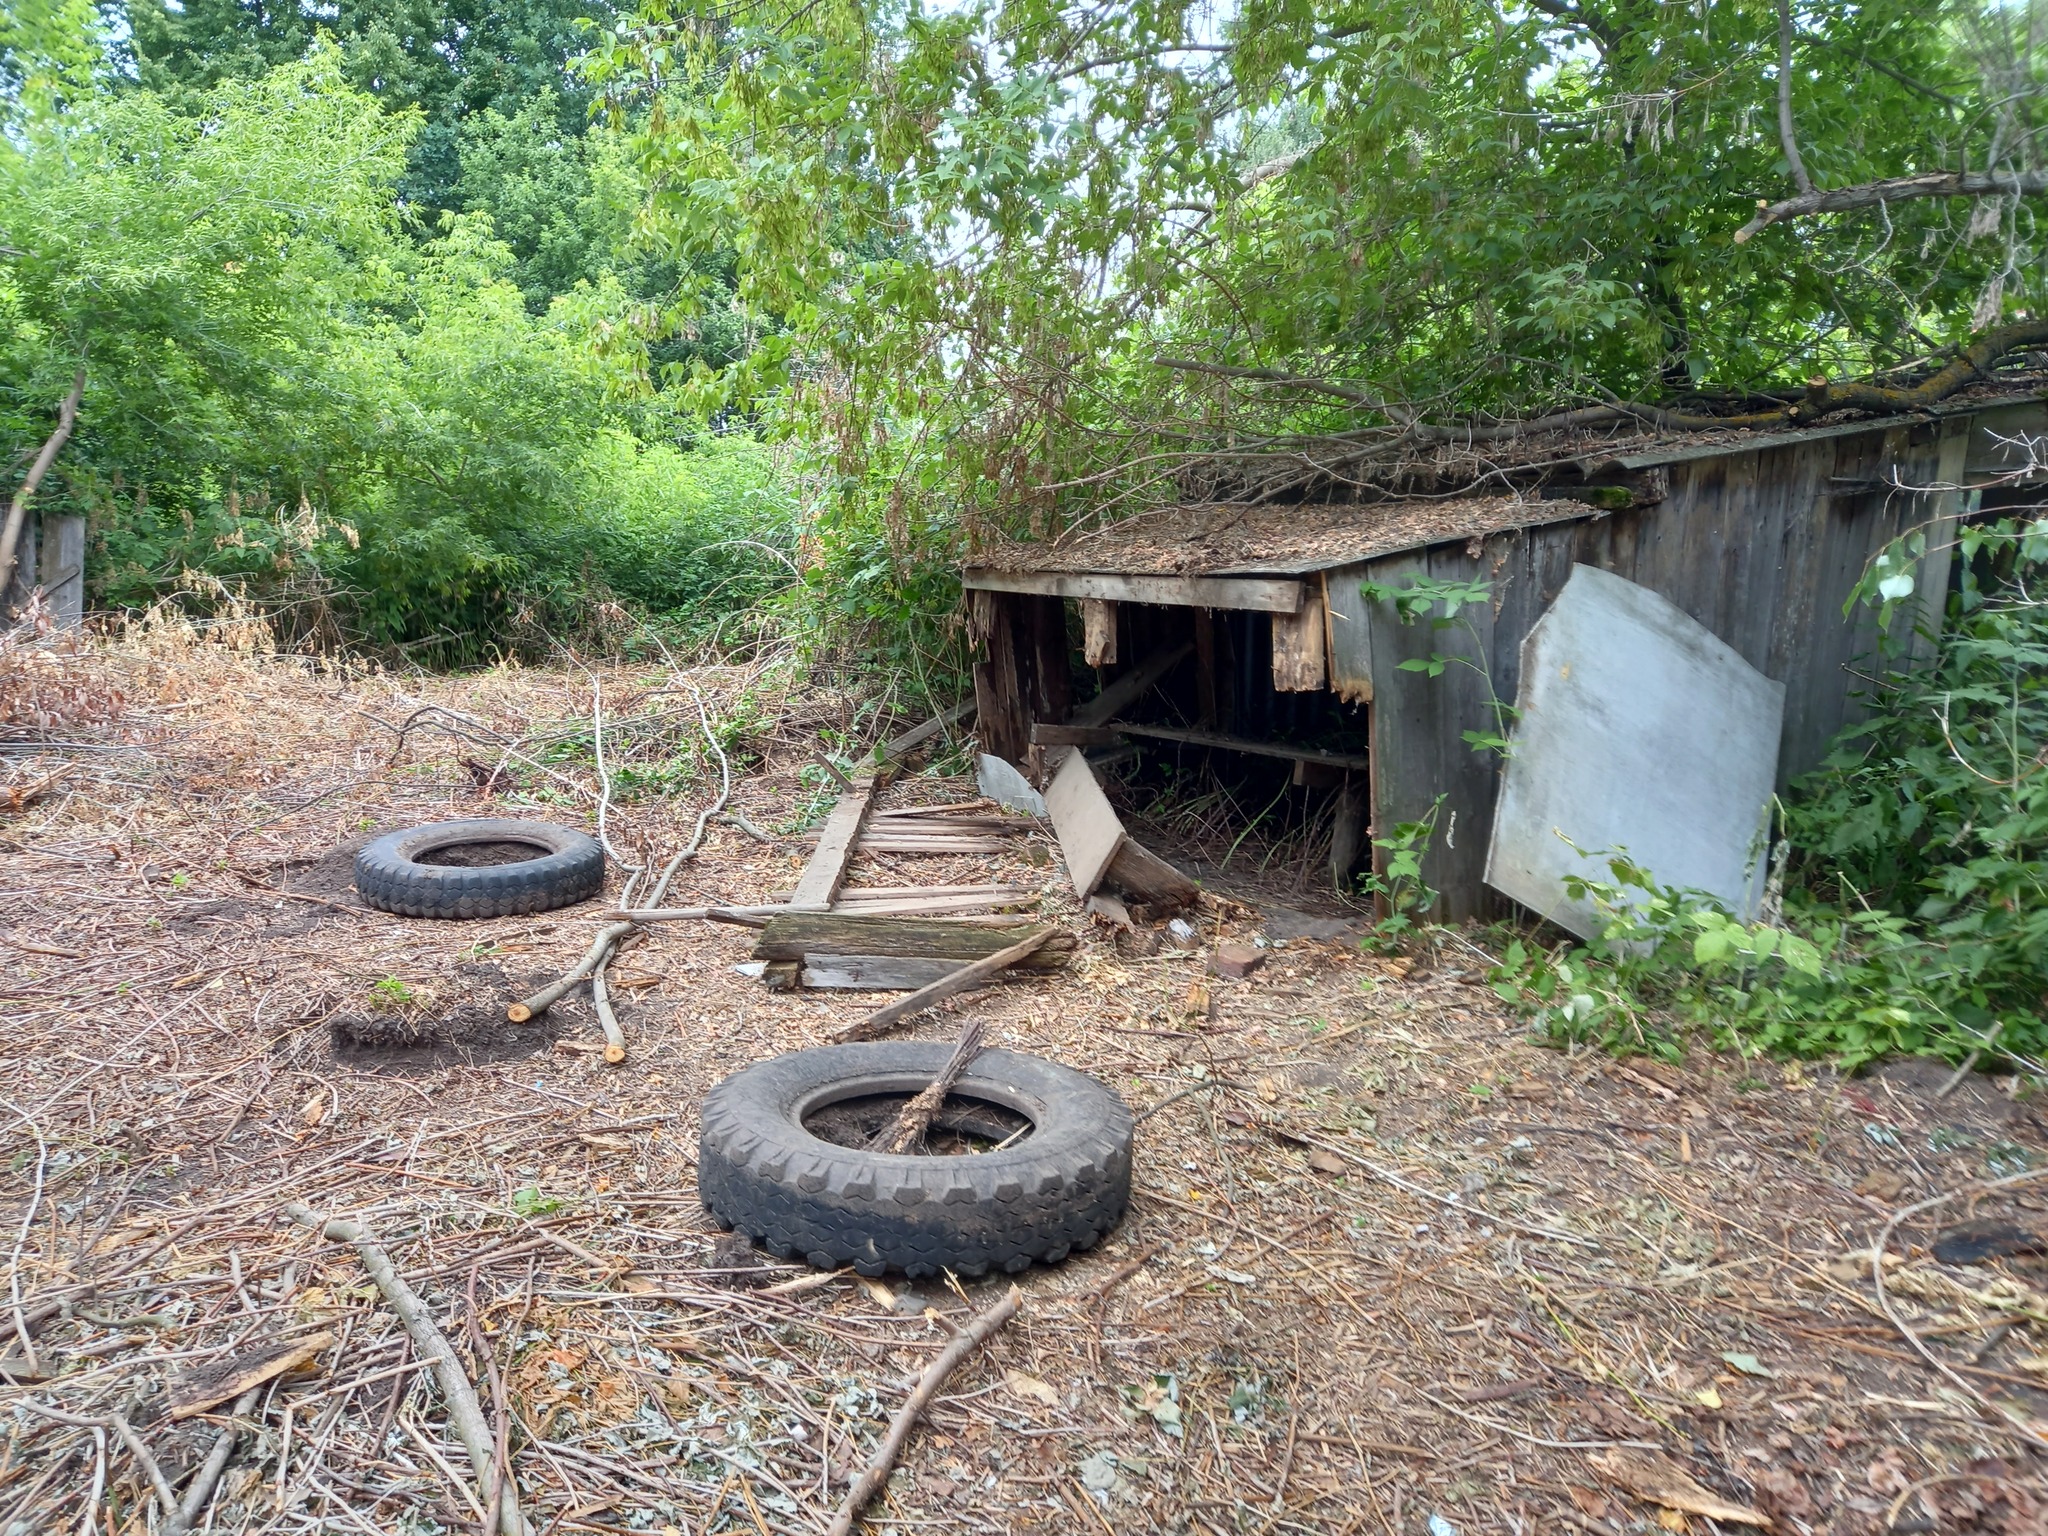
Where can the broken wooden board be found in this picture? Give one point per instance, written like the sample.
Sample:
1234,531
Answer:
1090,831
1132,686
796,936
1098,632
1096,847
826,871
894,748
1021,954
875,973
193,1391
1138,871
1266,594
1298,650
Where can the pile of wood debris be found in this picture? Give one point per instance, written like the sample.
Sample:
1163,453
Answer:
1390,1266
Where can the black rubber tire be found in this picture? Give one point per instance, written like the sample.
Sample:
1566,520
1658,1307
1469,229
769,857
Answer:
1065,1186
390,877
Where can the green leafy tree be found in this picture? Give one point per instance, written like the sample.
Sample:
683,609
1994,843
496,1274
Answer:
449,59
1045,256
172,278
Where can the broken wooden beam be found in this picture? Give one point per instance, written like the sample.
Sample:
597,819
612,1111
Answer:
1222,743
1299,661
826,871
1132,686
1098,849
1023,954
1098,632
799,935
1261,594
897,746
1045,735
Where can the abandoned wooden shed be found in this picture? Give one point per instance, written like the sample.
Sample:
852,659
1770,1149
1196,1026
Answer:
1274,629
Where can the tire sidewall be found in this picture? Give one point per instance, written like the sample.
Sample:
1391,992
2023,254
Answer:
389,876
1063,1187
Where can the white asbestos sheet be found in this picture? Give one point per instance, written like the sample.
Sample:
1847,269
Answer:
1639,732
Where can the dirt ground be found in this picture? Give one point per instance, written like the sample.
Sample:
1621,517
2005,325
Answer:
1390,1265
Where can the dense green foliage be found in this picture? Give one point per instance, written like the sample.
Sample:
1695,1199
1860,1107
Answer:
451,61
991,229
1916,915
292,392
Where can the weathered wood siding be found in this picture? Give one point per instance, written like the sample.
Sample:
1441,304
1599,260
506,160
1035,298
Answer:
1763,547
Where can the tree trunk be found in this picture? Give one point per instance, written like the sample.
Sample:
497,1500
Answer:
17,511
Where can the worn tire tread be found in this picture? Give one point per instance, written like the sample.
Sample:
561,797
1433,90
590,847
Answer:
389,877
1062,1189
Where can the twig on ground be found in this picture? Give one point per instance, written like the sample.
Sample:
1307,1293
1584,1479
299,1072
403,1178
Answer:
604,778
121,1427
21,1327
1970,1061
715,807
593,957
1877,1252
738,819
915,1118
969,1339
199,1492
600,991
465,1414
1477,1212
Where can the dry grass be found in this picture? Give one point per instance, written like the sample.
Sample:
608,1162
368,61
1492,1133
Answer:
1388,1264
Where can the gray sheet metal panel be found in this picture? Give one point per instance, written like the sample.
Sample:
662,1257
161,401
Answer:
1640,731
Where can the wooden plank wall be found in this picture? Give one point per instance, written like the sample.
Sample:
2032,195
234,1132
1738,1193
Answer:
1762,547
1025,670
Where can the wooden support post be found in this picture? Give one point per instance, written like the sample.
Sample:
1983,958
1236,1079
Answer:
1205,668
1347,832
1052,686
1002,721
1098,631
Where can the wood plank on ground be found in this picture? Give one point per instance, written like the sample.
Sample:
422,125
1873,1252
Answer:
797,935
1090,832
826,871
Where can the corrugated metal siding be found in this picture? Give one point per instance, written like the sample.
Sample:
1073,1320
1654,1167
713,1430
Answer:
1763,547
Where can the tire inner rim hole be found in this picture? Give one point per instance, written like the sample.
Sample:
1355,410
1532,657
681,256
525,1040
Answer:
963,1126
479,855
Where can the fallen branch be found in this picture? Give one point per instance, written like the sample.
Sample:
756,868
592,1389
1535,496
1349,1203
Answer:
738,819
969,1339
465,1414
717,806
915,1118
938,991
600,947
126,1432
1970,1061
199,1492
600,991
